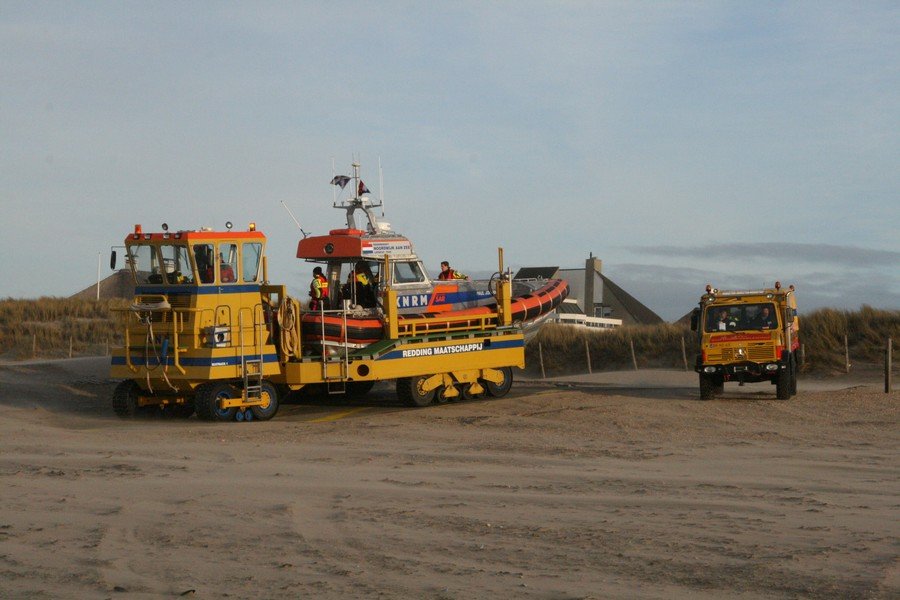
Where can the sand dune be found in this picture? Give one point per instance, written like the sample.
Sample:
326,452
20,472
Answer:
610,486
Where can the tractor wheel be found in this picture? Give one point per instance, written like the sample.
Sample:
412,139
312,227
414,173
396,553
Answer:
498,390
409,391
207,400
125,399
441,397
265,412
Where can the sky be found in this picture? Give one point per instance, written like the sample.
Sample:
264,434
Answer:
683,143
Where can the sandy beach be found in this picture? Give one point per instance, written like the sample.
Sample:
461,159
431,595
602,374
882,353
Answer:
616,485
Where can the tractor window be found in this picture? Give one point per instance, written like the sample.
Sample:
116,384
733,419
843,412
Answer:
251,260
228,263
144,264
408,272
204,256
177,264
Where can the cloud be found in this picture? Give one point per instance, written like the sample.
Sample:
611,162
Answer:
672,291
814,253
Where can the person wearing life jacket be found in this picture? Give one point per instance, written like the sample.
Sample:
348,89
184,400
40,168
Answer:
448,273
365,285
318,290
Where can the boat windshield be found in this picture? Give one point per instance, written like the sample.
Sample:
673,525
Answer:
408,272
741,317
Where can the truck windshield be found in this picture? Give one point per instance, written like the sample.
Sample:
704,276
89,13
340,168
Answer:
741,317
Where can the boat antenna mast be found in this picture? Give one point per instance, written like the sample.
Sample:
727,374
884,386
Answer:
295,219
359,201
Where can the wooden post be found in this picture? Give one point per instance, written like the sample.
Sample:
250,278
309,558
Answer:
107,347
33,345
587,353
70,346
887,367
846,353
684,354
633,357
541,358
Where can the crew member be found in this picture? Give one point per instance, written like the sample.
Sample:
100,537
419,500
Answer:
318,290
448,273
365,285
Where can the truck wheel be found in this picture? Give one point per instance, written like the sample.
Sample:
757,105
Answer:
125,399
498,390
265,412
409,391
207,401
719,386
707,387
783,383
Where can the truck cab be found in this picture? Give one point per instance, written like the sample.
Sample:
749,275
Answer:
747,336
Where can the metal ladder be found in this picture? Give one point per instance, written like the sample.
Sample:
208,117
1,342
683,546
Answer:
252,380
336,385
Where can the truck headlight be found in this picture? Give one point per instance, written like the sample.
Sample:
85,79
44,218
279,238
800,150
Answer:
709,369
771,367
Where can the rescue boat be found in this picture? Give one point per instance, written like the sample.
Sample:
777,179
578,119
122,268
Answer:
353,259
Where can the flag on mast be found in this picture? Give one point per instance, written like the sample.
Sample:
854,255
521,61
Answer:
341,180
362,189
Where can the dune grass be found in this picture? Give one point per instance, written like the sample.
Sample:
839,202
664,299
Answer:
45,328
564,349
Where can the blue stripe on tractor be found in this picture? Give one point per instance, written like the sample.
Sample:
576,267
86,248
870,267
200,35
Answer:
192,290
220,361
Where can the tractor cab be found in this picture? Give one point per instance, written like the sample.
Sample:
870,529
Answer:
167,262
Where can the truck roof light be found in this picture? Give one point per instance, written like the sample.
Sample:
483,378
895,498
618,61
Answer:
228,225
777,285
708,288
252,226
137,231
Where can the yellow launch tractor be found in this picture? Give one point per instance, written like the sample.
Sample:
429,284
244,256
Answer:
207,333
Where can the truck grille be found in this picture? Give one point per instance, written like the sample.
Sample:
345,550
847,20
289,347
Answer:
761,353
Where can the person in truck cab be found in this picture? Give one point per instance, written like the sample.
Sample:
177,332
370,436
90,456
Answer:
765,319
724,321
